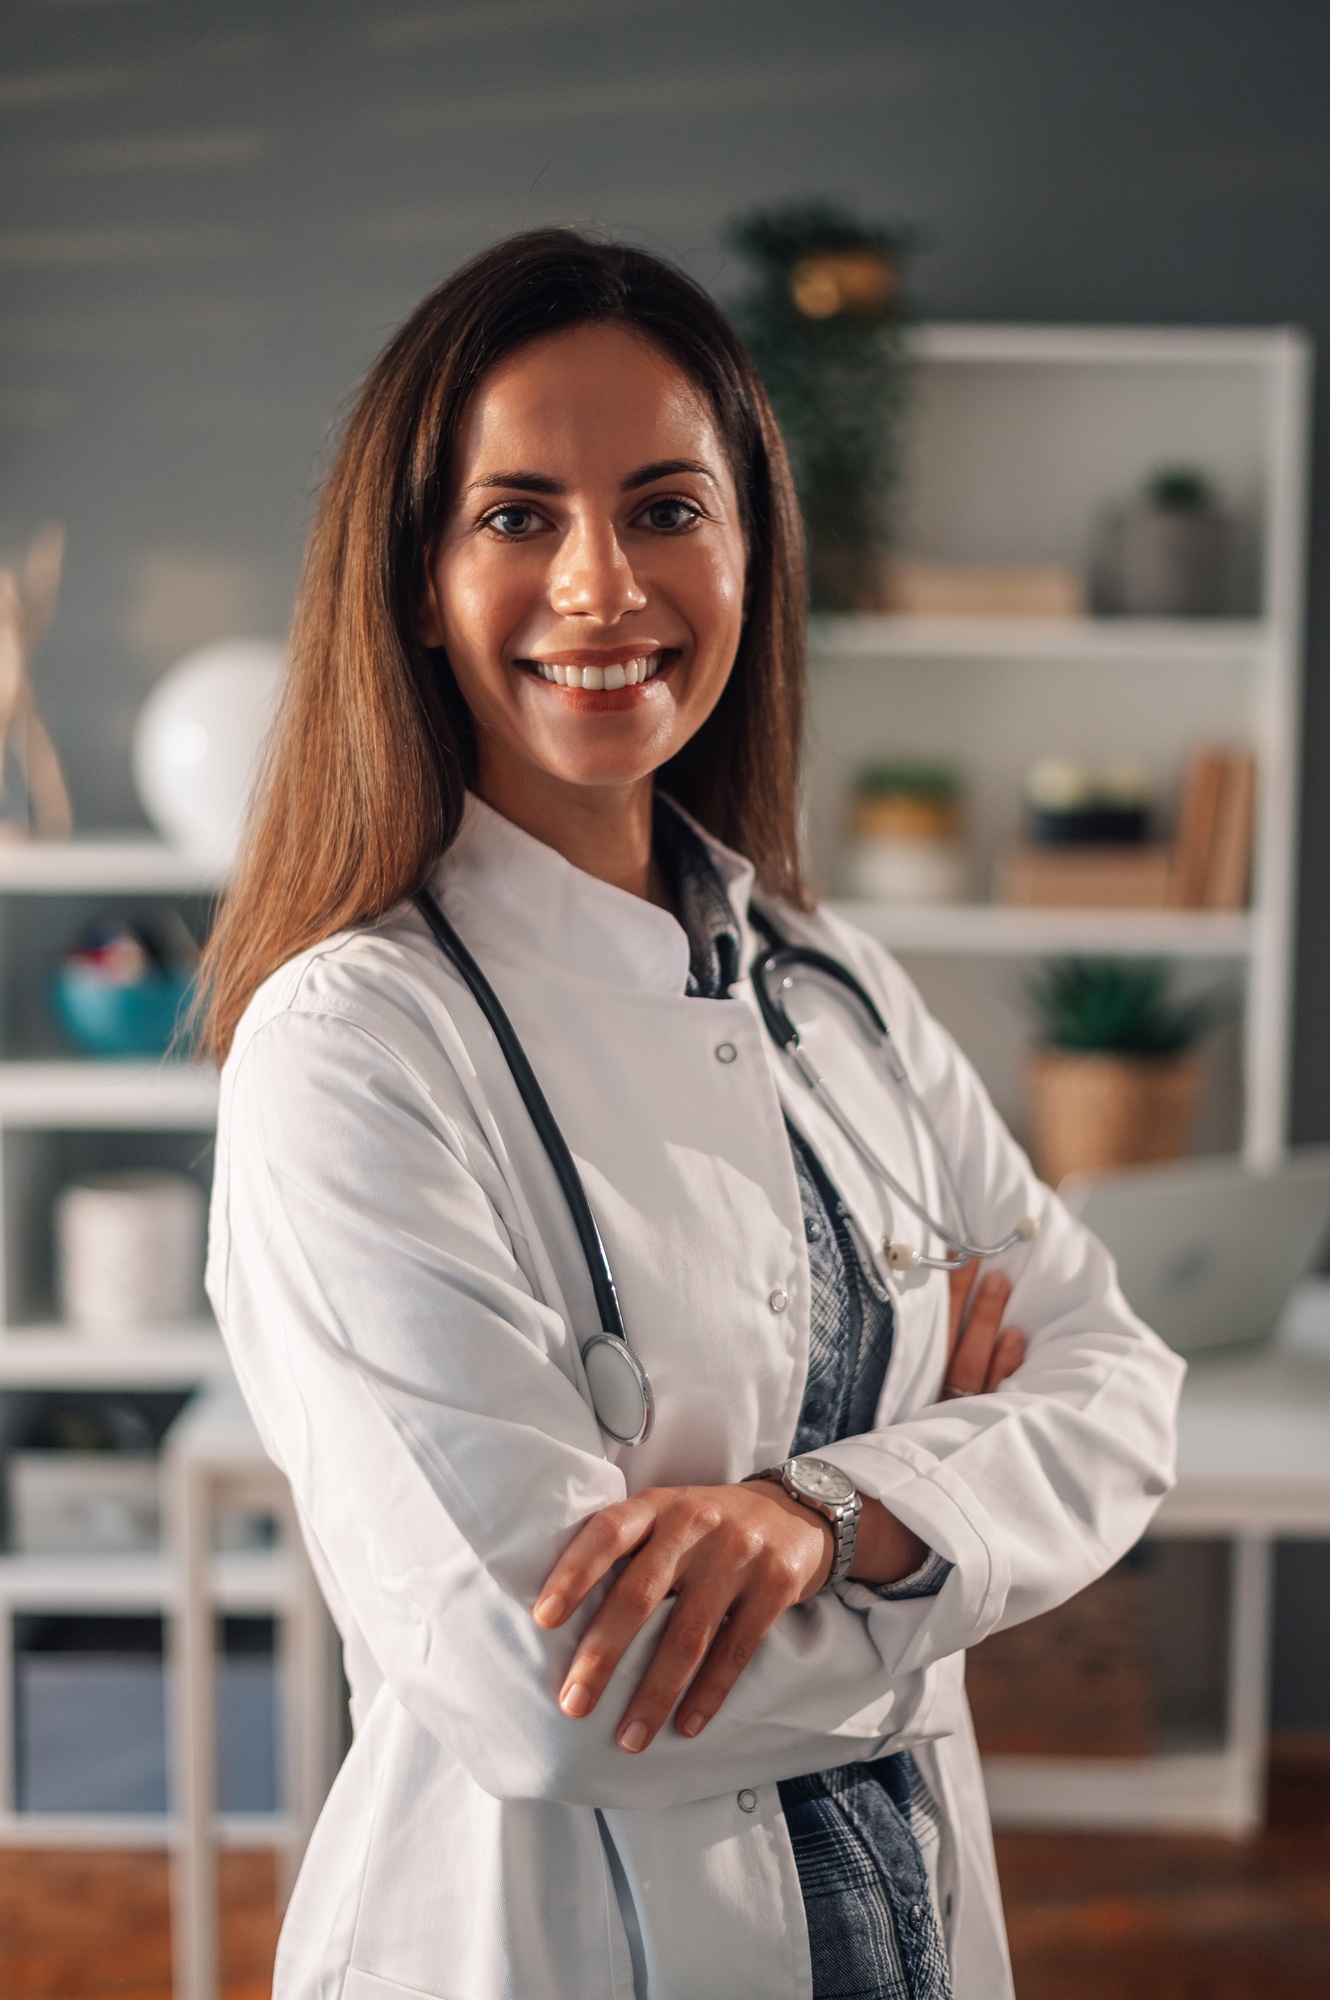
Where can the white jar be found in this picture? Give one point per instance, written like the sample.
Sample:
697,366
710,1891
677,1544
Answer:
886,869
129,1250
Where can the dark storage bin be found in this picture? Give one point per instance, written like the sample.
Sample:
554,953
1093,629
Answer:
90,1721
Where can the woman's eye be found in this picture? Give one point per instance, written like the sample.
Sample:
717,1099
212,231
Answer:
667,517
513,523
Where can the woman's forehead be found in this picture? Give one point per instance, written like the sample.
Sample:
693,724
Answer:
585,401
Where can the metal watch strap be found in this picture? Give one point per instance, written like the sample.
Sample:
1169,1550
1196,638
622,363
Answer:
843,1521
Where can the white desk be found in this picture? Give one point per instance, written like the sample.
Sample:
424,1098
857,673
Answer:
1253,1467
213,1457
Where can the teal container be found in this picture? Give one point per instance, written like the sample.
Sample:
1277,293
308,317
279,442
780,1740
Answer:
104,1019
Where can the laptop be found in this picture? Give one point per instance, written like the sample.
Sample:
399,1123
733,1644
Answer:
1208,1250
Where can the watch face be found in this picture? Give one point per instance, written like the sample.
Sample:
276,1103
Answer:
821,1480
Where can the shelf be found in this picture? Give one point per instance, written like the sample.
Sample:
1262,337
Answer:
1105,346
1196,1791
993,930
57,1357
129,1094
107,866
1168,641
138,1830
255,1580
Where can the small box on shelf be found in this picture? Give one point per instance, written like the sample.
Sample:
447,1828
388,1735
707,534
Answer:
1083,878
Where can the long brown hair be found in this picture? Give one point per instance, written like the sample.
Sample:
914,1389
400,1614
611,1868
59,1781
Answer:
374,748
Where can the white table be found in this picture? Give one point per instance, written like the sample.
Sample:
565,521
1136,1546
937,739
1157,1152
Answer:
213,1458
1253,1467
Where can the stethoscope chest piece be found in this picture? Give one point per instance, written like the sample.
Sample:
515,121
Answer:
620,1389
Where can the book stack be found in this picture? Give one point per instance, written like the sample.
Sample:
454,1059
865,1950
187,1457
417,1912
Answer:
1212,853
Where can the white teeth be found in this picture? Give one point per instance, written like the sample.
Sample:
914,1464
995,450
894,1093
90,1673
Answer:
631,674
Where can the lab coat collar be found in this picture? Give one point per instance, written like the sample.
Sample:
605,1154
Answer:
501,885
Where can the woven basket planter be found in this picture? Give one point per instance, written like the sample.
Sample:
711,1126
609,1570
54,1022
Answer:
1093,1110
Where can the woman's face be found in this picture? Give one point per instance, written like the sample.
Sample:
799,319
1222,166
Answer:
588,585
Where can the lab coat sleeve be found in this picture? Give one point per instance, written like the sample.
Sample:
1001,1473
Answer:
1033,1491
352,1216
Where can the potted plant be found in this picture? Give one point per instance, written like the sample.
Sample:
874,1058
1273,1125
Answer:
907,834
1170,548
821,317
1116,1079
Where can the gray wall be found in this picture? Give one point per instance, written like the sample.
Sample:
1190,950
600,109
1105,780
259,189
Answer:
211,215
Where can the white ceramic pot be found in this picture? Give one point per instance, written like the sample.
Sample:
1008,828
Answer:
129,1250
884,869
198,742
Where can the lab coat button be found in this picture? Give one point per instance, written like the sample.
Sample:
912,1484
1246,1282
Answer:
726,1052
748,1802
778,1300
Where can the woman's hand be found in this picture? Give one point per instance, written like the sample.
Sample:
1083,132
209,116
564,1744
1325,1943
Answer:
983,1352
735,1558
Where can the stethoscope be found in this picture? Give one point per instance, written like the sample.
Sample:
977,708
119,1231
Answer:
619,1385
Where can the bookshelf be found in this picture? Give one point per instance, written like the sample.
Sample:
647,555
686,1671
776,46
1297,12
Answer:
59,1112
1021,437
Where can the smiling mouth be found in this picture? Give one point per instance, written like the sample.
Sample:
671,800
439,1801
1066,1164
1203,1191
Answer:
604,679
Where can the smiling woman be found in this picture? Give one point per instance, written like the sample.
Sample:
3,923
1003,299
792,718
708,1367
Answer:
665,1699
604,579
377,742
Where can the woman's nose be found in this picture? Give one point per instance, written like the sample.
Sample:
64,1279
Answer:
593,577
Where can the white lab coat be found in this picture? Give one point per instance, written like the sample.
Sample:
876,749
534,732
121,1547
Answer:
380,1188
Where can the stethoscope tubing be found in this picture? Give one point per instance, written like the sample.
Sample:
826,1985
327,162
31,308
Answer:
560,1159
618,1383
781,959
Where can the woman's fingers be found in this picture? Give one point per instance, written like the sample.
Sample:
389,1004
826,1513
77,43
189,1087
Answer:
1008,1355
699,1614
973,1353
602,1541
734,1646
630,1601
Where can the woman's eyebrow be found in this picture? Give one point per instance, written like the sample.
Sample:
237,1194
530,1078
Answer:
540,482
525,482
666,468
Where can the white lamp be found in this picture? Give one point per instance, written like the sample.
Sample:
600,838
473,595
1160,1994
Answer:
198,742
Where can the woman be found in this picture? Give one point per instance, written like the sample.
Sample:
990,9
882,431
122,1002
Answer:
628,1719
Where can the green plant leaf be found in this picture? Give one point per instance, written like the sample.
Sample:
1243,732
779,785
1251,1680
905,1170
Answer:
1121,1006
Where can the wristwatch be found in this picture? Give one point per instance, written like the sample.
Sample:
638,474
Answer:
829,1492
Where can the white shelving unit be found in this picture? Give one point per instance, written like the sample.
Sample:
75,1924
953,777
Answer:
1021,439
54,1108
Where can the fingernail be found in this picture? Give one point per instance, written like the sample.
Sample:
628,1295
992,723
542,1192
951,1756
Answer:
692,1724
633,1736
575,1699
550,1610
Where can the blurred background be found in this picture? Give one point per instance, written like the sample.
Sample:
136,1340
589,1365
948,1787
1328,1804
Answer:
1069,753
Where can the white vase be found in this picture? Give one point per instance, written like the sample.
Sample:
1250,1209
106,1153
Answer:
130,1252
198,743
886,869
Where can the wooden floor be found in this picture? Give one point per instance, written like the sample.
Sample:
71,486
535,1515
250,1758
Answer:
1090,1918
